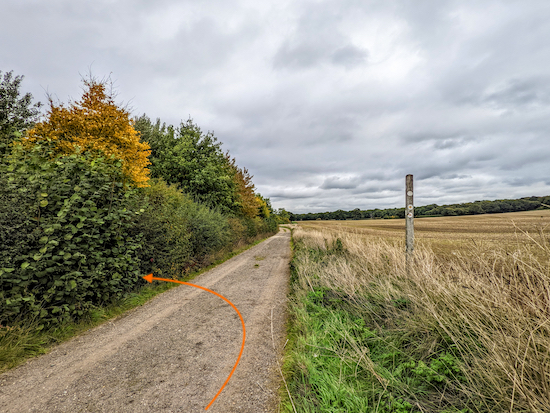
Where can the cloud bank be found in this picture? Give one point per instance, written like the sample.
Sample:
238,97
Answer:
329,104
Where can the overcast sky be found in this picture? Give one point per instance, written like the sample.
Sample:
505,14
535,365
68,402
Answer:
329,104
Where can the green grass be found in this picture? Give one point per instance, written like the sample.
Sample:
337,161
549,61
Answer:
338,363
25,339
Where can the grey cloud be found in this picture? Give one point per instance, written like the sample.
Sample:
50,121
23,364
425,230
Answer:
453,176
318,39
337,182
520,93
299,193
451,143
299,56
519,182
309,53
441,140
377,192
329,104
525,159
349,56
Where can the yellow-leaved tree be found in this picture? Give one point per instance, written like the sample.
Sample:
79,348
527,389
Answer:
263,208
245,196
96,124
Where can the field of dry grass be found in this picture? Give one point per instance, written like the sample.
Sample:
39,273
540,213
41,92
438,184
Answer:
463,327
451,234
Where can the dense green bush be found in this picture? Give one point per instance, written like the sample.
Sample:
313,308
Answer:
75,236
210,231
179,233
64,226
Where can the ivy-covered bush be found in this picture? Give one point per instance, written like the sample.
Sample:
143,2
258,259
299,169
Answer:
65,234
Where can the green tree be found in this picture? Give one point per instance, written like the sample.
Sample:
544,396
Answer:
475,209
283,216
247,202
161,139
265,208
17,112
194,161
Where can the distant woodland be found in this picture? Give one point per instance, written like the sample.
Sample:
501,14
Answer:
434,210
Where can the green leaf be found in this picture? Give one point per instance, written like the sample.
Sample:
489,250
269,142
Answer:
43,194
25,265
37,257
43,249
8,269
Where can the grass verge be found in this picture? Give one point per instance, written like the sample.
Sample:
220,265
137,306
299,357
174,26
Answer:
25,340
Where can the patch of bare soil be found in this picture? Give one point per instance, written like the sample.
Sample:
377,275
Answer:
174,353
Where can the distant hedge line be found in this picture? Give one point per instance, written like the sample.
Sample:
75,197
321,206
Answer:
471,208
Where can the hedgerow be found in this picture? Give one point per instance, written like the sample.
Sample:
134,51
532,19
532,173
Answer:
80,220
178,233
64,226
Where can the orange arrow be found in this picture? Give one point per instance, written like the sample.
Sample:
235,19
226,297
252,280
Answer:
150,278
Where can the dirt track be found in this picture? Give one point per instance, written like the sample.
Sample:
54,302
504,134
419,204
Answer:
174,353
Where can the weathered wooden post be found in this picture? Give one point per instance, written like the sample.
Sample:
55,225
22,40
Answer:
409,214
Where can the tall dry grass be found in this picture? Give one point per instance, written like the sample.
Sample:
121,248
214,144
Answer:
491,305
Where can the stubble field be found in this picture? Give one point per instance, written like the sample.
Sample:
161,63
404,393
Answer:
450,234
462,326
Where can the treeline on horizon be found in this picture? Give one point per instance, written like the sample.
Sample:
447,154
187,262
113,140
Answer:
432,210
92,199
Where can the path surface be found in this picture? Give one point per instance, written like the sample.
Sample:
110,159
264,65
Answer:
174,353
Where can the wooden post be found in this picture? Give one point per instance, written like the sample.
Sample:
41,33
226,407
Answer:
409,213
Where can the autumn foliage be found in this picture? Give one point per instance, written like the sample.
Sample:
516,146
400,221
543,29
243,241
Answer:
95,124
246,197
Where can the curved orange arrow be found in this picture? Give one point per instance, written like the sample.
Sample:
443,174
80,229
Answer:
150,278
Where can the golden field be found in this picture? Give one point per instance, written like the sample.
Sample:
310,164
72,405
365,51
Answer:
477,288
446,234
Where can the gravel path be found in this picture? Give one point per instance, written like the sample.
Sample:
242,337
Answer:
174,353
